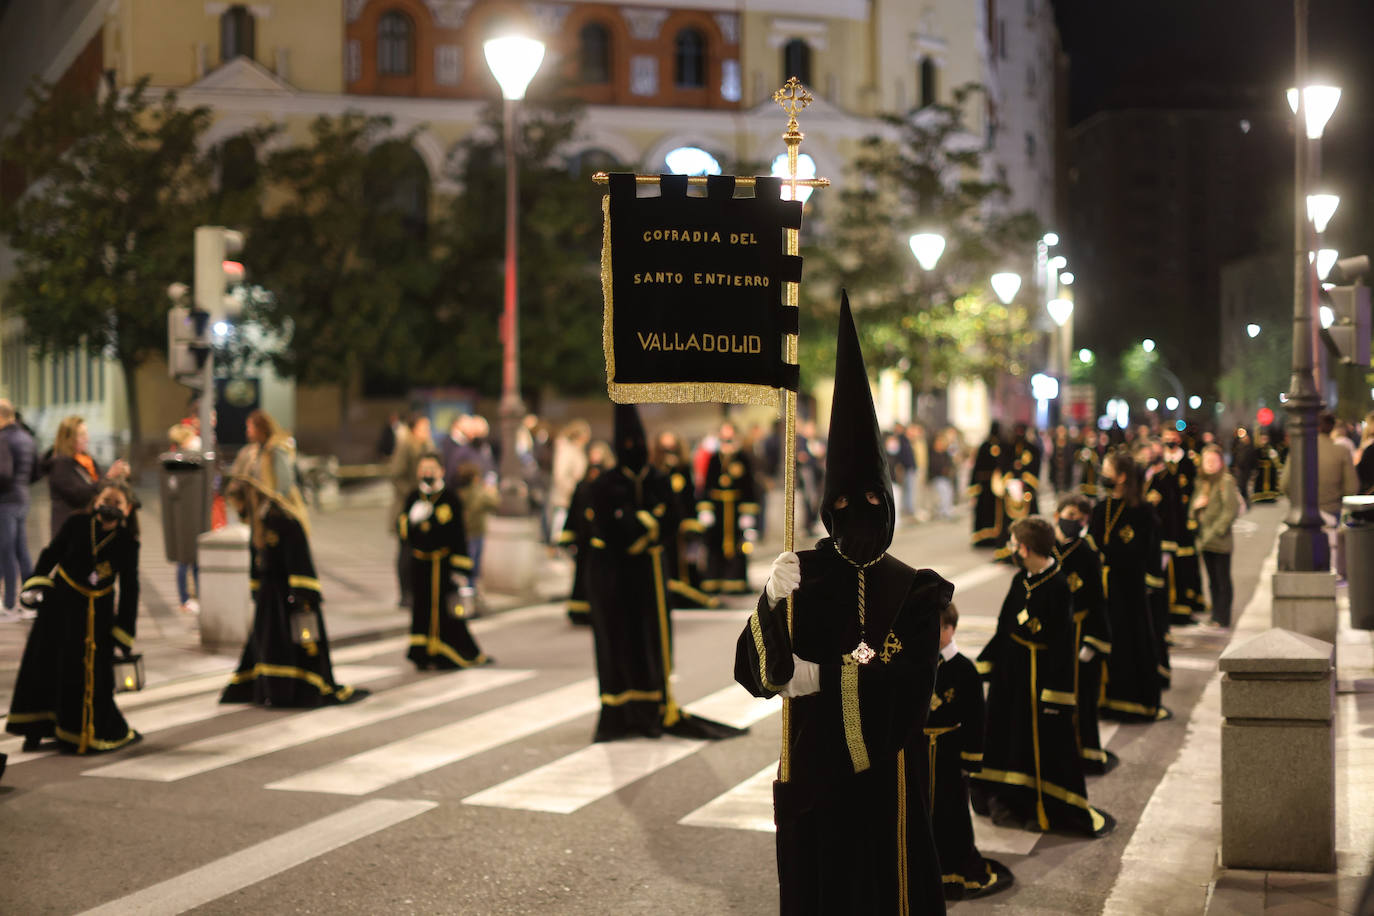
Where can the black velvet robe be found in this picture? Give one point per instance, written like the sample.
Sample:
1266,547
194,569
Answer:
729,492
1031,768
1027,457
1089,463
1268,466
851,838
1129,541
1082,568
65,686
1183,573
437,547
989,513
938,762
275,669
576,537
683,547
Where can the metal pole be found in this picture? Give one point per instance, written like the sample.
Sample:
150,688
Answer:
1302,546
207,408
514,495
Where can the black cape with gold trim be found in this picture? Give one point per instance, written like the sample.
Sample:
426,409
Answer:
938,761
65,686
851,839
438,547
728,490
1031,770
1128,539
627,586
276,670
989,511
1082,568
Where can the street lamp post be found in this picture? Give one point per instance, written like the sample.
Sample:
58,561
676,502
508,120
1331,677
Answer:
513,61
1302,546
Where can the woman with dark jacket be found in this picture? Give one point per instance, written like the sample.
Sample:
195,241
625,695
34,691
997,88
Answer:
74,477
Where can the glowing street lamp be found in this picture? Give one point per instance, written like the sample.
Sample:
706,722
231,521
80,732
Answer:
1058,262
1051,239
1326,257
1171,402
1066,278
1005,285
1086,356
1147,345
1253,330
927,247
1060,310
1320,209
1318,104
1152,404
1195,402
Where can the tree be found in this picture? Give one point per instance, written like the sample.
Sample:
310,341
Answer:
922,173
115,189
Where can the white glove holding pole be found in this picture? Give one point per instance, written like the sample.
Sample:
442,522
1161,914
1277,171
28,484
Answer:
806,679
1087,654
783,578
706,518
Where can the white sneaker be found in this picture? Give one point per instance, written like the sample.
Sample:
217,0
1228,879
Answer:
192,606
9,614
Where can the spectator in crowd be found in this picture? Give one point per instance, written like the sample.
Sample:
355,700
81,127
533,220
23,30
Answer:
1335,479
942,475
1216,502
479,497
1243,456
17,462
402,473
74,477
185,439
569,467
386,442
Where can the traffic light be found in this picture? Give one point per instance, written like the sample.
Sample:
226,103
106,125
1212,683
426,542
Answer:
188,338
216,273
1346,328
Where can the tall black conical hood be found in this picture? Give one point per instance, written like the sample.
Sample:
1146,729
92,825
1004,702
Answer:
855,462
631,445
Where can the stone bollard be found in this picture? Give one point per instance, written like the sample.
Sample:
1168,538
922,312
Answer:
512,556
1305,602
1278,769
226,604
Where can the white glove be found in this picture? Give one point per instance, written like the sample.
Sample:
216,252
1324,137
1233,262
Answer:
806,678
420,510
31,598
1087,654
783,578
748,521
706,518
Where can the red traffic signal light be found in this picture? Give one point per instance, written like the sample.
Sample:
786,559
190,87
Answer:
1265,417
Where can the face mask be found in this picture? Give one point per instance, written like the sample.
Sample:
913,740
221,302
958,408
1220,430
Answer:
1071,527
109,512
430,484
860,530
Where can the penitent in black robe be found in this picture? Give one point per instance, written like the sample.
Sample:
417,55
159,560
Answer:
627,585
65,686
989,511
438,546
1267,468
1179,540
281,667
938,762
576,538
1031,768
1082,568
728,491
1128,538
683,547
851,838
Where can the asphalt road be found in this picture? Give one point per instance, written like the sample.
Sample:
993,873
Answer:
478,791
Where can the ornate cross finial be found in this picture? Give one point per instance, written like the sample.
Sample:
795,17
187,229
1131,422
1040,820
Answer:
793,97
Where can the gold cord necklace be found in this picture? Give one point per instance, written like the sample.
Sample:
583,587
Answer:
863,653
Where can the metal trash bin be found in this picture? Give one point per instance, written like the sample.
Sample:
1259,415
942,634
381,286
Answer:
185,486
1357,514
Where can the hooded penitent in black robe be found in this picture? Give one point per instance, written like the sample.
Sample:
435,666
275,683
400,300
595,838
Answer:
65,686
1179,540
281,666
1128,539
438,546
1031,770
1026,458
1161,495
989,512
850,837
1082,568
576,537
728,491
631,509
938,761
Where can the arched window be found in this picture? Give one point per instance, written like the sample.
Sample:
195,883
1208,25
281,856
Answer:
796,61
689,59
235,34
594,42
929,73
395,44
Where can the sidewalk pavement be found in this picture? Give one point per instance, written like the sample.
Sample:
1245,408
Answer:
1171,865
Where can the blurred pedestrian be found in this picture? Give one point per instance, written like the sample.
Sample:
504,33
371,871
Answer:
431,526
1179,531
901,458
570,464
416,444
184,439
73,475
1267,467
480,497
1336,479
682,547
987,487
1216,502
65,687
1082,568
17,463
285,660
943,476
727,509
1243,461
535,451
386,442
1061,460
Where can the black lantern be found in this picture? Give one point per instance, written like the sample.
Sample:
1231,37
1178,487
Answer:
305,627
128,673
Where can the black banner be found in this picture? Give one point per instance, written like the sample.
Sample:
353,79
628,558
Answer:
694,291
